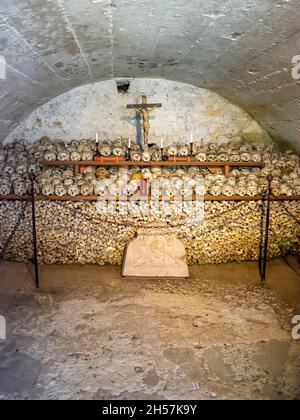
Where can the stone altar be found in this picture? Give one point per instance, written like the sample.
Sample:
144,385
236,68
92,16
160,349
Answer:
155,252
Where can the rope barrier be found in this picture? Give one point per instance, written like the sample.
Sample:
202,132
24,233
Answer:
8,241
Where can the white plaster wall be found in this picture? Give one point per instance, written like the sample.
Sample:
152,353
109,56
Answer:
83,111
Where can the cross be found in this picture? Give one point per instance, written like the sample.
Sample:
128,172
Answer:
144,110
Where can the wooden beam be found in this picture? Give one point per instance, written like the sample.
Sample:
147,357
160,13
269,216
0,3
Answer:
145,164
13,197
144,106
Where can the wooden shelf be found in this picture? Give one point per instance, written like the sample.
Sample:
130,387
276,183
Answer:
147,164
226,166
13,197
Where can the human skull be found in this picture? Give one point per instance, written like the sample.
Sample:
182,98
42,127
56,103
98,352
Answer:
73,190
215,190
212,157
105,150
48,189
201,157
183,150
87,189
245,157
135,156
146,156
156,155
20,188
50,156
5,187
228,190
60,190
172,151
87,155
75,156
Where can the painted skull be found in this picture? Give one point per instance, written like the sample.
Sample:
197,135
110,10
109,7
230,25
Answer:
135,156
156,155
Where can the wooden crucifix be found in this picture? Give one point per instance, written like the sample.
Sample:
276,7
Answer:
144,110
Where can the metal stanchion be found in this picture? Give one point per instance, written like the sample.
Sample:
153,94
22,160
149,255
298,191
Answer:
264,234
261,241
34,234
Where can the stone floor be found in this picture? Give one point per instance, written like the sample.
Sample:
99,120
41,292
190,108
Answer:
90,334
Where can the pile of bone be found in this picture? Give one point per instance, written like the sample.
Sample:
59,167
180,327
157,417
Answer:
167,182
76,233
85,150
234,152
17,162
19,159
229,152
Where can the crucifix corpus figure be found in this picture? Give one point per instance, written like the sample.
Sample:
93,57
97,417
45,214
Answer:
144,110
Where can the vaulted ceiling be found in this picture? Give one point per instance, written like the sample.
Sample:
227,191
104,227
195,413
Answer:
242,49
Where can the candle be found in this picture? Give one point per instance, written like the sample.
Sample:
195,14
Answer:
192,138
97,138
162,144
129,144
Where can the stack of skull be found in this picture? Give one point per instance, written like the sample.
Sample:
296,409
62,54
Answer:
19,159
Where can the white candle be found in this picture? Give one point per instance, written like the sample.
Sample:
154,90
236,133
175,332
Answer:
97,138
129,144
192,138
162,144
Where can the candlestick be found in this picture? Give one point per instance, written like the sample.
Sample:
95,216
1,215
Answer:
128,150
191,145
162,149
97,154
